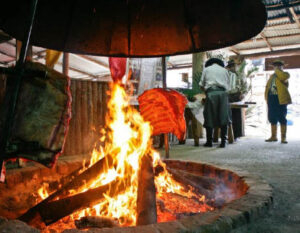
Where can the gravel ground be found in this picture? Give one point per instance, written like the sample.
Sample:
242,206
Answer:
278,164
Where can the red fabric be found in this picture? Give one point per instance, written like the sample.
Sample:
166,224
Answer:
117,66
164,109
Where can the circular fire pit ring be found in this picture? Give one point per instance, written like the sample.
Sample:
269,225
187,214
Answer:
252,199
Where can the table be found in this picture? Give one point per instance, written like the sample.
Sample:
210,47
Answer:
237,128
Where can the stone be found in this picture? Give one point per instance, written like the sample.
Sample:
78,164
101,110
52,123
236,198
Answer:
252,206
16,226
174,227
151,228
237,217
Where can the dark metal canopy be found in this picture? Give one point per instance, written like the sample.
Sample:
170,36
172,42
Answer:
135,28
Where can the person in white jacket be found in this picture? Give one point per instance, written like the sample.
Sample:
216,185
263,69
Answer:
215,83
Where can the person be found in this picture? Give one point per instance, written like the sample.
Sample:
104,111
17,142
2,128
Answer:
194,113
215,83
278,97
237,84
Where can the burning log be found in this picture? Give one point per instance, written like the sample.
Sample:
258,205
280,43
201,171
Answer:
56,210
146,199
203,185
77,182
95,222
205,182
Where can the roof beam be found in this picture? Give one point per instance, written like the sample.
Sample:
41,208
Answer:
100,63
295,16
234,50
287,9
266,40
282,6
274,53
6,54
271,37
79,71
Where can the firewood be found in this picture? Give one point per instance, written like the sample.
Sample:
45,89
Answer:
96,222
54,185
84,178
56,210
189,179
205,182
146,199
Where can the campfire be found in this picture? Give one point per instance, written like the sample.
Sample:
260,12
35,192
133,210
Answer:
124,184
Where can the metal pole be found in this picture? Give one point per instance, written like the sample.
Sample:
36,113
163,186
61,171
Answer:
164,74
13,101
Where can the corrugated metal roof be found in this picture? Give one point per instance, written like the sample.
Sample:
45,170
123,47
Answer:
281,32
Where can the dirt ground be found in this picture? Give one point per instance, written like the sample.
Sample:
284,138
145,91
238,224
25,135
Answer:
278,164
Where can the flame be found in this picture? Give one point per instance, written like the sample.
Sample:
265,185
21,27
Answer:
43,191
129,135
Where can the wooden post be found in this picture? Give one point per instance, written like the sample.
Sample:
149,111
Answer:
166,141
198,60
230,134
164,76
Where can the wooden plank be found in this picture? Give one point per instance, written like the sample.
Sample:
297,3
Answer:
103,103
84,118
90,113
78,120
95,111
99,121
95,95
72,129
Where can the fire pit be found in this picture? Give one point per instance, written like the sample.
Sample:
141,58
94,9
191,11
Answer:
245,198
125,184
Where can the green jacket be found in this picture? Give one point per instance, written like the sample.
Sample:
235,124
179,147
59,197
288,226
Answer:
282,84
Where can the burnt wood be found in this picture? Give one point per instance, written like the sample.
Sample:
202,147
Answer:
79,181
56,210
203,185
146,198
95,222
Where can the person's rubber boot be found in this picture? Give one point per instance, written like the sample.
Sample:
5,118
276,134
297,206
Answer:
283,134
223,136
209,132
273,137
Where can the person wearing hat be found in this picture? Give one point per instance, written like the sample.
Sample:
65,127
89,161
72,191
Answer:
278,97
215,83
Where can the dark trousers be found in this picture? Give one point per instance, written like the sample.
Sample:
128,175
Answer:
209,133
276,112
